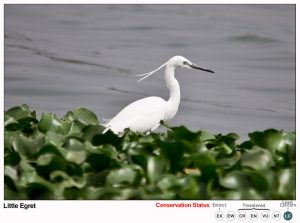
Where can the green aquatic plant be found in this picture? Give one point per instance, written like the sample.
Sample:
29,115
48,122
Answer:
70,158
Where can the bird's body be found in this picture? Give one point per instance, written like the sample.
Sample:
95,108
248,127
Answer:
139,116
145,115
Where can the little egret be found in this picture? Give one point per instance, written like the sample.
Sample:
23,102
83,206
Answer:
145,115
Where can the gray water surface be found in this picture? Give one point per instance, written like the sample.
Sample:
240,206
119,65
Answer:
60,57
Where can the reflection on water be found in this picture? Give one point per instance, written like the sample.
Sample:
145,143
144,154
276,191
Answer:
59,57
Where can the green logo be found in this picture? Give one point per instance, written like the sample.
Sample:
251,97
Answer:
288,215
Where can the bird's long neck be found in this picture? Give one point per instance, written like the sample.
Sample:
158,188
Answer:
174,99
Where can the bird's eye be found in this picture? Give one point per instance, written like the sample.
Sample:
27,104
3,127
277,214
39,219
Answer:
185,62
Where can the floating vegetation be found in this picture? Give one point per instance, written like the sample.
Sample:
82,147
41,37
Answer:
70,158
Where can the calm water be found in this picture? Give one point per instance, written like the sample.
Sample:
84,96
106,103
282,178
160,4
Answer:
58,58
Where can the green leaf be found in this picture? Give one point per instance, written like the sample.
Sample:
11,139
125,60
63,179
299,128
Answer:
12,159
242,194
55,139
189,188
77,157
99,162
39,191
286,183
204,136
72,193
28,124
182,133
174,153
281,144
229,161
8,138
263,180
235,180
19,112
107,138
257,158
74,144
156,166
47,163
83,115
13,127
122,177
11,172
49,122
168,182
27,146
202,160
9,184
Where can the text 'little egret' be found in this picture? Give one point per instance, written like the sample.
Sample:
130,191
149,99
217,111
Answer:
145,115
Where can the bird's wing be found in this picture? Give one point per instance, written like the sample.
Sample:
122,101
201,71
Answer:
139,114
138,107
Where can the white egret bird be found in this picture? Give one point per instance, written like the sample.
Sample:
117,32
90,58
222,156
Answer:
146,114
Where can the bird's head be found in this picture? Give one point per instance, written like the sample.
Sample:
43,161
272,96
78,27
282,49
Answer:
176,61
180,61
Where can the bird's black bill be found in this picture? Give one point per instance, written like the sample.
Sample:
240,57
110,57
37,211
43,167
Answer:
199,68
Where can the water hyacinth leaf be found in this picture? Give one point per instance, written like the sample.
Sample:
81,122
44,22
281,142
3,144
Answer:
235,180
12,159
182,133
229,161
39,191
289,140
74,144
13,127
242,194
75,129
69,117
27,146
156,166
189,188
224,144
90,131
76,170
26,167
83,115
286,183
53,138
72,193
11,172
168,182
49,122
278,142
8,120
96,179
108,138
49,149
174,153
49,162
77,157
99,162
28,124
10,183
202,160
257,158
19,112
122,177
204,136
65,127
8,138
259,180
